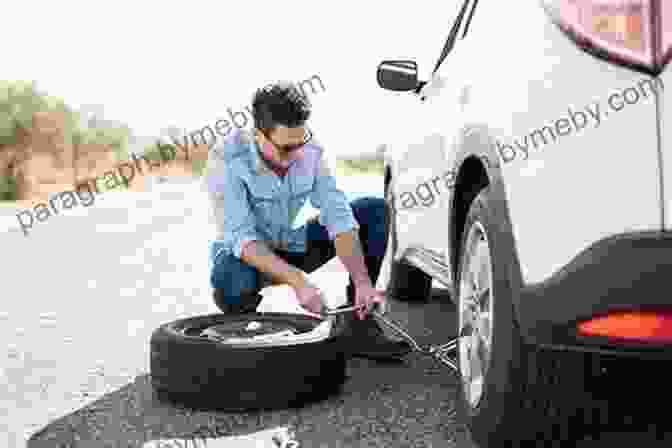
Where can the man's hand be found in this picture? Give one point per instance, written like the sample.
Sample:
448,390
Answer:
349,250
368,297
310,298
259,255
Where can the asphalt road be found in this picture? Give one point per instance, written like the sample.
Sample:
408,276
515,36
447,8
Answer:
82,294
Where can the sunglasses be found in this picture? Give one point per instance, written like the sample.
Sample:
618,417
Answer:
308,136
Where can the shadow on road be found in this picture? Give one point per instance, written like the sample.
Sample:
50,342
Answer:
378,405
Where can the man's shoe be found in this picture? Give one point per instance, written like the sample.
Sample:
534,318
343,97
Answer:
366,339
247,304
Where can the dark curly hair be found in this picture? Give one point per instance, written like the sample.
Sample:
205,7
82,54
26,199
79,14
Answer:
279,104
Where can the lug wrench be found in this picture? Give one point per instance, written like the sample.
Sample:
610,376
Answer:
441,353
337,311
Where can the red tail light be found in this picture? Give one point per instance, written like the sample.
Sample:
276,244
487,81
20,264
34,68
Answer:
634,32
643,326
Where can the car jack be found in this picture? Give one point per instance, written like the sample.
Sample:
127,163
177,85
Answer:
444,353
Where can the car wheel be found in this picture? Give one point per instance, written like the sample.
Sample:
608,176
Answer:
204,362
510,393
407,282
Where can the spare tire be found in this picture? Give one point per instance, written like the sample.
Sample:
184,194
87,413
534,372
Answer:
192,362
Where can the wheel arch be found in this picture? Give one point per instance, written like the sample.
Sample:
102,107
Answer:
387,175
471,178
478,166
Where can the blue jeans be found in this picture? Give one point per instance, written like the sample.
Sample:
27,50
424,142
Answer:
235,278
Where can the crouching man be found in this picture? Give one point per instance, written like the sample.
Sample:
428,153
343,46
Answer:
257,183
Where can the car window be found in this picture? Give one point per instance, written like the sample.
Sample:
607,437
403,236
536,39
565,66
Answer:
471,9
452,36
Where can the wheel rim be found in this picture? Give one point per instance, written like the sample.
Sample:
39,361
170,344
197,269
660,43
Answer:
247,329
257,330
475,314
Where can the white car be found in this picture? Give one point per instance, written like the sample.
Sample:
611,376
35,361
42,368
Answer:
534,181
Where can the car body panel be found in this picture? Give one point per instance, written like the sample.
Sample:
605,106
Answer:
621,272
577,183
665,132
592,183
420,206
583,212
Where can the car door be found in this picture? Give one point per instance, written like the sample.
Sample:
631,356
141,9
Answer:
426,177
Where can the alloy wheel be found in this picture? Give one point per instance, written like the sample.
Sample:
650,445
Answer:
475,314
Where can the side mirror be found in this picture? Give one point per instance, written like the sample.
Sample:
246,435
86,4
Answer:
398,76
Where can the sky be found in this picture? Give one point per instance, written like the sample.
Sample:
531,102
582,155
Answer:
156,64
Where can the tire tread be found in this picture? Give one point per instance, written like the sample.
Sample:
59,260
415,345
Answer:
544,402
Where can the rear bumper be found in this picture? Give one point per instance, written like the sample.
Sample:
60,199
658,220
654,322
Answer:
624,272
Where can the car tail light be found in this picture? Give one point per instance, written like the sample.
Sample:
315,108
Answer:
643,326
633,32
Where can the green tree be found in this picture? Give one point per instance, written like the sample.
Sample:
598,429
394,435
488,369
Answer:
198,167
7,188
154,152
19,100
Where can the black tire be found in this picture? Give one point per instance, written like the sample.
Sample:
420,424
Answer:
407,282
531,397
205,374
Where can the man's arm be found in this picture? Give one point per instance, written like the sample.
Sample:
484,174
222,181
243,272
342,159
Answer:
335,211
336,214
349,251
259,255
234,219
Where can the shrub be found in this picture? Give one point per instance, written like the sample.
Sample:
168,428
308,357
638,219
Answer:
115,138
7,188
153,152
198,167
20,100
353,166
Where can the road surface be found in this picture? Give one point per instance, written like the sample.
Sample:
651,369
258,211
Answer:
82,294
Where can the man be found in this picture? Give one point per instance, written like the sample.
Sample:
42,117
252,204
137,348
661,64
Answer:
257,183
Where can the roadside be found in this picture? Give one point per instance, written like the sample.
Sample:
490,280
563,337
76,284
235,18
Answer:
104,278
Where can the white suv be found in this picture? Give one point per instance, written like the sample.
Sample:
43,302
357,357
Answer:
536,184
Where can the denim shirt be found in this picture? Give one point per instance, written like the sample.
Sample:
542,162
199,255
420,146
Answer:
251,202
